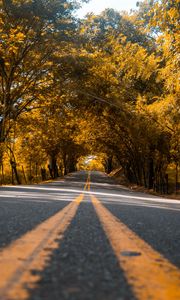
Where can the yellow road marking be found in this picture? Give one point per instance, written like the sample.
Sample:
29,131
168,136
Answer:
31,252
89,180
151,276
87,185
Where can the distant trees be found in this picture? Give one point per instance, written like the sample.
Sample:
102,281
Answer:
48,134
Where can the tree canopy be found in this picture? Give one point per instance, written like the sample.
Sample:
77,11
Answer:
105,85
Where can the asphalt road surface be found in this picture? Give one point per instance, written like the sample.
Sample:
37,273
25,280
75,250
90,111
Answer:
86,237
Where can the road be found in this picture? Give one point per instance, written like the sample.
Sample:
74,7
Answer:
87,238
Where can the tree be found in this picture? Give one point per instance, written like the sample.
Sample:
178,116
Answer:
105,85
31,32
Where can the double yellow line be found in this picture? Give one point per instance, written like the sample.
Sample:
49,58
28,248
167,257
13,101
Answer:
88,184
150,275
31,252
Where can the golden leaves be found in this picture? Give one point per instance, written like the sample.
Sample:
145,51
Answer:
12,40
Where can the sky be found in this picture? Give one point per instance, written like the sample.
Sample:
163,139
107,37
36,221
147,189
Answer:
97,6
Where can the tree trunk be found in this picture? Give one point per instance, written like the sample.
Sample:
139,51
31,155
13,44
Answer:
144,177
2,173
176,188
14,172
24,175
53,169
151,173
72,166
109,167
65,164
